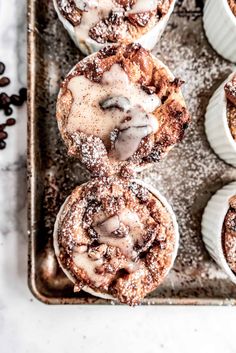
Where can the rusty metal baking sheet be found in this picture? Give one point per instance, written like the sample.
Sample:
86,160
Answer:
189,175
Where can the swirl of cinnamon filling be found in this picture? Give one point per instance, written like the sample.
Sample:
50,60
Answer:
115,237
121,107
93,24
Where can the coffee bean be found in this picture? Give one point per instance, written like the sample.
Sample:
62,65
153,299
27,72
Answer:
2,68
4,81
8,111
5,104
2,144
3,135
10,122
4,100
16,100
23,94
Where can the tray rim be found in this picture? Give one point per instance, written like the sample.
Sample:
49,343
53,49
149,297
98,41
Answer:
31,191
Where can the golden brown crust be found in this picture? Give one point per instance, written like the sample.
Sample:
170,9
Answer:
229,234
230,92
146,72
117,27
70,11
232,5
126,276
231,115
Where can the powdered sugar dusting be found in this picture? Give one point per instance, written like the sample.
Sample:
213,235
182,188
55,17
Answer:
188,176
191,172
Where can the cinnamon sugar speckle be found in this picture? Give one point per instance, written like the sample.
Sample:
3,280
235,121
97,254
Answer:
189,175
132,245
118,22
157,125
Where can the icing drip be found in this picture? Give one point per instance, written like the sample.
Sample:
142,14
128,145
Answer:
96,10
109,226
118,102
144,6
121,231
86,5
136,125
132,131
86,114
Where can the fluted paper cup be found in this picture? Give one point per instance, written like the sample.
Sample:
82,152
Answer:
89,46
212,224
220,27
217,127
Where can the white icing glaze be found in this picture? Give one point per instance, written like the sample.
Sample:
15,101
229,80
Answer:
89,266
108,226
144,5
140,118
148,40
133,131
87,116
81,249
128,142
124,244
130,266
96,10
85,5
131,219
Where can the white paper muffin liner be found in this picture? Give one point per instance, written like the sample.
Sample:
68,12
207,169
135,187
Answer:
212,223
89,46
217,127
220,27
168,207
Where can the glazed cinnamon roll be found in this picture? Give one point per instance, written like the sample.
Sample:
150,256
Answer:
93,24
121,107
116,238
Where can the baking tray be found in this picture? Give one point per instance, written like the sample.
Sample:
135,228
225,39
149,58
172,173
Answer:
189,175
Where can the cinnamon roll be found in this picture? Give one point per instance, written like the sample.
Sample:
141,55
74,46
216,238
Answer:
121,107
93,24
219,21
116,238
220,120
219,229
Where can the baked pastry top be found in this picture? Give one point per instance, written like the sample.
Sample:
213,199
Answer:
116,237
113,21
230,92
229,234
232,5
121,107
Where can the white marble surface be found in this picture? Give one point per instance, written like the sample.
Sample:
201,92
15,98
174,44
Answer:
29,326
